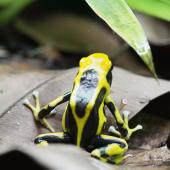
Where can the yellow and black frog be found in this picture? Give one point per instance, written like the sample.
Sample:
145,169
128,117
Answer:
84,117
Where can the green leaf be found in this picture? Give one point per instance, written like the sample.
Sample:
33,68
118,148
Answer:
11,9
121,19
4,3
157,8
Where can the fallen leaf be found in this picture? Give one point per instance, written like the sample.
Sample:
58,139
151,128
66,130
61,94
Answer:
67,157
58,157
155,119
19,128
15,85
155,157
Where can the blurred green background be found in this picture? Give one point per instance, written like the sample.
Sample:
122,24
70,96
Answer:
53,34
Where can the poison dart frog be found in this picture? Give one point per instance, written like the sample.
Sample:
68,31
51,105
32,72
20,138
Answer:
84,117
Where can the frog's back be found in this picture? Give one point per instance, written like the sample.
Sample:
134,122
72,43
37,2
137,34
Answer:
83,116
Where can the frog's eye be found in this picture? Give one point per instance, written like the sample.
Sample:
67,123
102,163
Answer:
82,61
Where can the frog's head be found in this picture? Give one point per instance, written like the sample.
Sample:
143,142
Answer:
99,62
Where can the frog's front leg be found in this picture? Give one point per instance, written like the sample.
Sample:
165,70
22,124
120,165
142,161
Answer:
122,123
40,113
35,110
109,149
57,137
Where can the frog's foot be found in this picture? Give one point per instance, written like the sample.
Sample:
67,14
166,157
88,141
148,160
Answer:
112,153
111,149
113,131
126,125
105,158
35,110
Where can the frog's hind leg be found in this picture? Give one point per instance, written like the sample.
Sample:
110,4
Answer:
35,110
109,149
57,137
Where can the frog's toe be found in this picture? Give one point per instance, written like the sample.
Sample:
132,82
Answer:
126,117
37,100
96,153
54,111
138,127
126,113
35,93
113,131
42,144
34,110
26,102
